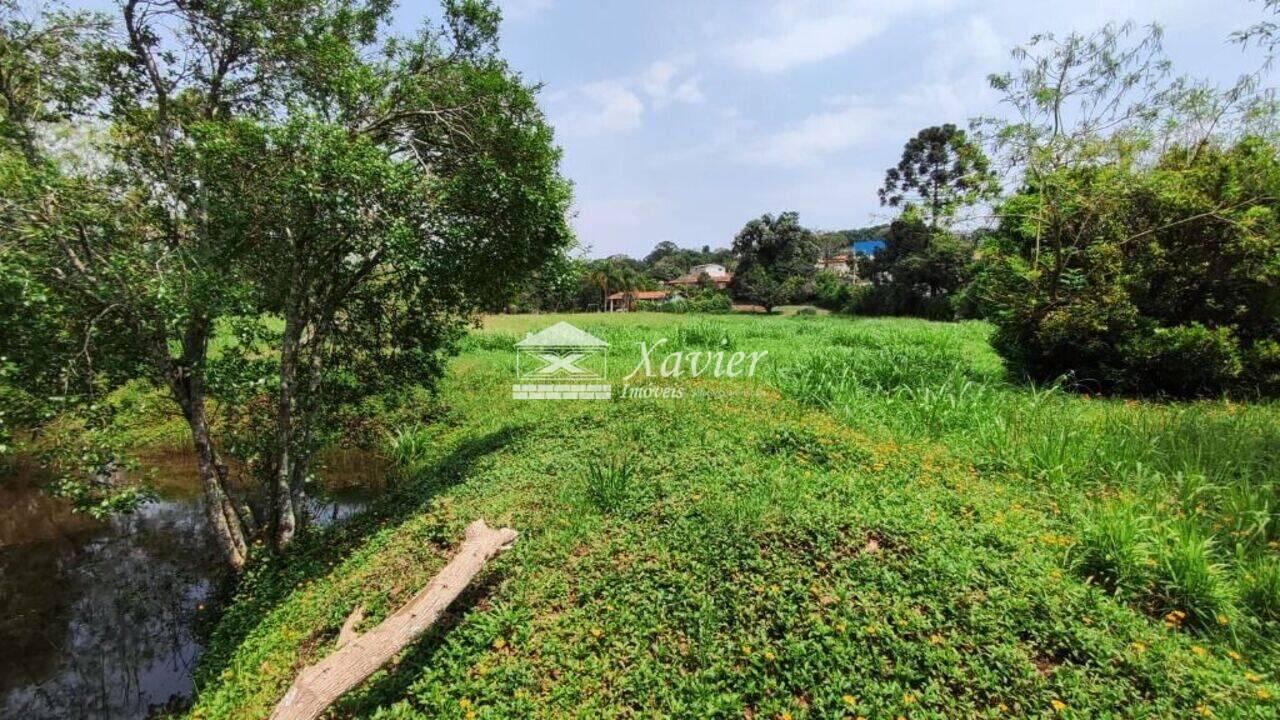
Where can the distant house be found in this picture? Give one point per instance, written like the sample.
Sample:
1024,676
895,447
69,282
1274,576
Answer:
626,301
841,264
719,277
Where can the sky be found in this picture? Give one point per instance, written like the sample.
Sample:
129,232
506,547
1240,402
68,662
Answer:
681,120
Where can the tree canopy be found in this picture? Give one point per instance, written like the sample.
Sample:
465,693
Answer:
940,172
776,256
286,160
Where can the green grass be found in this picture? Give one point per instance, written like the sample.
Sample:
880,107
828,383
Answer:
879,524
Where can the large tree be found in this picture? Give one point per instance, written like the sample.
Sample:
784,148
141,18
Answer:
776,255
288,159
940,171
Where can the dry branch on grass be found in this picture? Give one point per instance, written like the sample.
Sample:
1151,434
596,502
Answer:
359,656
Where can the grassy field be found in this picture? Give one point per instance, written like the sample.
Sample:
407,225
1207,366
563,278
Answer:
877,525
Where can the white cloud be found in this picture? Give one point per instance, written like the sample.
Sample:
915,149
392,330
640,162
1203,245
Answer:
806,32
615,105
819,135
956,90
602,107
520,9
663,83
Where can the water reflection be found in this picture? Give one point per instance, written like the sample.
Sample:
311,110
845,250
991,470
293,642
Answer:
96,617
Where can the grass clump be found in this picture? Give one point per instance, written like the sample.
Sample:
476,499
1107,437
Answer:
1190,581
1114,547
609,483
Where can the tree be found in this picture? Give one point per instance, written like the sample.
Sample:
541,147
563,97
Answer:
47,68
917,273
761,287
368,199
940,172
773,254
1139,255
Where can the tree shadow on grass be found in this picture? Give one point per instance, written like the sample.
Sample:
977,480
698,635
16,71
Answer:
269,579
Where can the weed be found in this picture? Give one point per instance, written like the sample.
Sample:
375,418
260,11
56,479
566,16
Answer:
1189,579
1114,547
609,483
1260,588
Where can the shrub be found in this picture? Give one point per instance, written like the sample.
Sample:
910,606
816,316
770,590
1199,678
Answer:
1187,360
1157,279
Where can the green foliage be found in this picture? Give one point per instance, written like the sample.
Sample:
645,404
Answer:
1190,580
1114,547
370,192
709,302
609,482
668,261
1159,280
776,257
1260,588
759,578
919,273
941,171
48,68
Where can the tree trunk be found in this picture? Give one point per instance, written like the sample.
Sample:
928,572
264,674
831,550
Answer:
224,517
356,658
286,524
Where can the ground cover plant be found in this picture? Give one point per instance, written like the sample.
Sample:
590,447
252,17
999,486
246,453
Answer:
879,525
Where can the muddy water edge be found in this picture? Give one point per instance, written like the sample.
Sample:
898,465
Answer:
98,618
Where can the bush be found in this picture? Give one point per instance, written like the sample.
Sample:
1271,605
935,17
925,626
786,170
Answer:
1186,360
713,302
919,273
1151,280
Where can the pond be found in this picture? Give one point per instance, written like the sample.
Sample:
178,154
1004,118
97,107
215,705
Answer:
97,617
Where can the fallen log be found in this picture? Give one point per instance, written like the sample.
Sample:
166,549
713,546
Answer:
359,656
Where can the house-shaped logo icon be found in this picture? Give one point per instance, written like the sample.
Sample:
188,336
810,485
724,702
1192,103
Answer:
562,363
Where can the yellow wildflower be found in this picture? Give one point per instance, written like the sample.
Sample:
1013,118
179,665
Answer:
1058,705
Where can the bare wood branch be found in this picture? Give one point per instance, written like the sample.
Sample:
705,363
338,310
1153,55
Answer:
348,631
320,685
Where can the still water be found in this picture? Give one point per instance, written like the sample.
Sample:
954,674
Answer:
97,617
